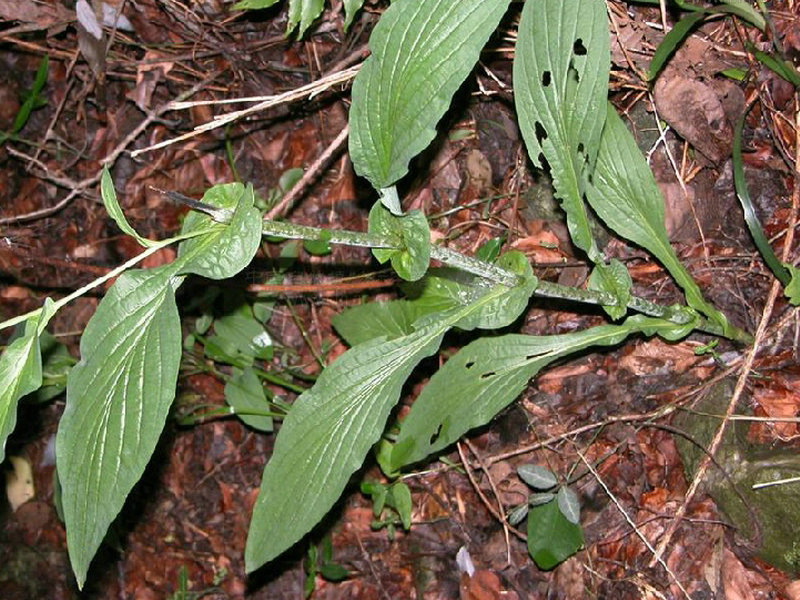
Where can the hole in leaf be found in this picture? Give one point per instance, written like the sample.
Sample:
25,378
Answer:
435,435
578,48
580,148
541,133
470,364
488,375
546,78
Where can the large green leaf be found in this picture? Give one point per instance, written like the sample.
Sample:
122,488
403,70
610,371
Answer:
422,50
332,426
560,87
364,322
119,394
21,371
485,376
118,397
626,197
552,538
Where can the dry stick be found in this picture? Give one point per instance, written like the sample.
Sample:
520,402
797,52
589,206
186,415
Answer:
631,522
308,177
109,159
492,485
748,362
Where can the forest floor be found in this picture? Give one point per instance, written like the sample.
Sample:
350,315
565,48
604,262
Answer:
182,532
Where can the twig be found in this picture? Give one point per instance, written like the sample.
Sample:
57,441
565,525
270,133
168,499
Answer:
309,176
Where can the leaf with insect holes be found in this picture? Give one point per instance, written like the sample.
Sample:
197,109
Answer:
486,375
561,71
21,371
421,53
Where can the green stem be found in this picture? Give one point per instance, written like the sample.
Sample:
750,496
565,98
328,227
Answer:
496,274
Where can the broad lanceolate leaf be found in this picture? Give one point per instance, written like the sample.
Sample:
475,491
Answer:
422,50
626,197
21,371
330,429
560,84
552,538
118,397
119,394
485,376
413,236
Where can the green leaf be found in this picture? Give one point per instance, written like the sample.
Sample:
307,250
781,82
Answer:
399,498
329,431
118,397
364,322
246,335
537,476
245,394
114,210
552,538
253,4
56,365
674,38
615,279
303,13
119,394
421,53
561,71
21,371
780,67
569,505
792,290
485,376
412,235
351,7
32,100
490,250
233,245
624,194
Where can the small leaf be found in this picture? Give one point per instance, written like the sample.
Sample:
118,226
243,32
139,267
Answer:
540,498
615,279
561,72
792,290
21,371
351,7
364,322
674,38
400,500
253,4
33,99
421,53
537,476
245,394
490,250
245,334
569,504
303,13
413,237
552,539
114,210
333,571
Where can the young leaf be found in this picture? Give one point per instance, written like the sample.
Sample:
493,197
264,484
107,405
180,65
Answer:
624,194
569,505
792,290
118,397
561,71
114,210
485,376
400,499
421,53
552,538
245,394
537,476
413,237
615,279
21,371
329,431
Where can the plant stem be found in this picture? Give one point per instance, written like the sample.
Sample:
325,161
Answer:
496,274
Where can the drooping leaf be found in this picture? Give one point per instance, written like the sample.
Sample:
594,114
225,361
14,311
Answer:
421,53
624,194
552,538
413,236
561,71
245,394
118,397
537,476
114,210
21,371
485,376
330,429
